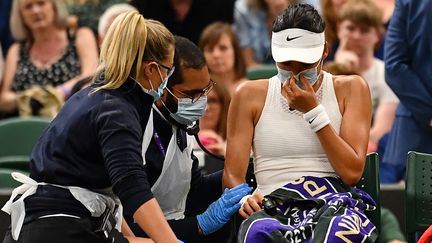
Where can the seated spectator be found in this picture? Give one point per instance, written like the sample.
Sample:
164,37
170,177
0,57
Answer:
359,32
108,17
46,52
213,123
252,24
223,55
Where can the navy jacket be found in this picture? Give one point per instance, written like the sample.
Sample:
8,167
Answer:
408,70
94,142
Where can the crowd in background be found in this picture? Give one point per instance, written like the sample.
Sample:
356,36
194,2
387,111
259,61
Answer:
50,49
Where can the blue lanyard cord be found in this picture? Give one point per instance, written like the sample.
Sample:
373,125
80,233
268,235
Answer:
159,143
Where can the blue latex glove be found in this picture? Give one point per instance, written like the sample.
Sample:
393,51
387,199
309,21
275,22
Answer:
220,211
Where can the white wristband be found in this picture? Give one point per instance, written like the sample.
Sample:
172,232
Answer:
317,118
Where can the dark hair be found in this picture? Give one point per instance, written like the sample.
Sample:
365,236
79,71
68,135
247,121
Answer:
301,16
211,36
187,55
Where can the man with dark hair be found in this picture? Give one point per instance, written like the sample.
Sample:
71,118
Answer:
308,130
177,183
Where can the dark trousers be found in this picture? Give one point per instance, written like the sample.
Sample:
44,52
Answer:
62,230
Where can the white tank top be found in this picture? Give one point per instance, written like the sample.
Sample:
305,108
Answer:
284,146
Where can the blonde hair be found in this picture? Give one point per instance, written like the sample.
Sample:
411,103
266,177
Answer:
131,40
21,32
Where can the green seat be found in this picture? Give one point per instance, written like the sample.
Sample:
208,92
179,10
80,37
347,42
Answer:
369,183
418,193
18,162
6,180
17,138
261,72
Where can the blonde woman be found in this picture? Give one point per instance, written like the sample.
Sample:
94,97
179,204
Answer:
88,161
46,52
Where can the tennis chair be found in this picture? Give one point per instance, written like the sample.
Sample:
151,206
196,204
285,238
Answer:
418,193
369,183
17,138
261,72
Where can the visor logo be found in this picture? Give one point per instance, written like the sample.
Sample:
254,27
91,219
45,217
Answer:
292,38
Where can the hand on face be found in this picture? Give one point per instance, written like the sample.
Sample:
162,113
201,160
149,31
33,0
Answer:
346,56
302,100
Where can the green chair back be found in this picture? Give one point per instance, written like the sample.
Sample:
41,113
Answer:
261,72
369,183
17,162
6,180
418,193
17,138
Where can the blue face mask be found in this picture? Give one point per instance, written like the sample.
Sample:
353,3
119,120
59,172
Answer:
188,112
311,75
157,94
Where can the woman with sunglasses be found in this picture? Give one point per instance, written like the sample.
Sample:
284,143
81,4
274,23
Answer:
87,168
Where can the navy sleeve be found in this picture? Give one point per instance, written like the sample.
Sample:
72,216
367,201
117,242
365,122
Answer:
120,134
204,189
408,59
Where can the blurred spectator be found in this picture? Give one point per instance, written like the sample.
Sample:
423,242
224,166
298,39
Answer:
253,20
408,62
214,121
5,35
223,55
186,18
359,32
330,12
45,53
88,12
108,17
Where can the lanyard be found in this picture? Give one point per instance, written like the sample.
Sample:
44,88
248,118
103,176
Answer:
159,143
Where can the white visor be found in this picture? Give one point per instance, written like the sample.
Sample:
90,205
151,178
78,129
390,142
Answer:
297,45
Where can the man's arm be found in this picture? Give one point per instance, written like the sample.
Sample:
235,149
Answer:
400,76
